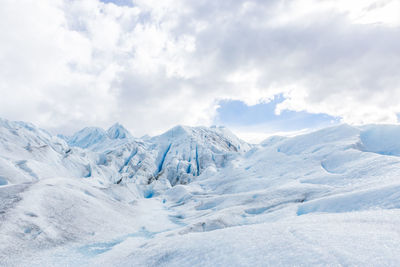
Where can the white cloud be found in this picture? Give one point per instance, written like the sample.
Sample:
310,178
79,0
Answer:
66,64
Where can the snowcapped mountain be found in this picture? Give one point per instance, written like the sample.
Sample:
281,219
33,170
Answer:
93,137
184,152
113,156
88,137
117,131
199,196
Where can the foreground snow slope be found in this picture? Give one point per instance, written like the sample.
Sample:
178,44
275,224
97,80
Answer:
197,196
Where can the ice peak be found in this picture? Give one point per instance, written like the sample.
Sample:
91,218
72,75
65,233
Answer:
87,137
178,130
117,131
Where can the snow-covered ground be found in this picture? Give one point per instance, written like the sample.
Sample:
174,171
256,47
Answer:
198,196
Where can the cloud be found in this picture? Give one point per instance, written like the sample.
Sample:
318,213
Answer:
151,64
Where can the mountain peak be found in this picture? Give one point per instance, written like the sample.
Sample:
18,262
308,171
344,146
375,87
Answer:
117,131
87,137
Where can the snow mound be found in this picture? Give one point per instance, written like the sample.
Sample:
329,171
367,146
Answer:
310,143
387,197
381,139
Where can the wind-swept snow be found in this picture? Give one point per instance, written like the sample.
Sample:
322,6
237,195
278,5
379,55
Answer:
198,196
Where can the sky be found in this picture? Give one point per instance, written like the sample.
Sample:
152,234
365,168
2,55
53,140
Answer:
258,67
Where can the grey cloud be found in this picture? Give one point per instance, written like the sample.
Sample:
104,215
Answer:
325,52
146,77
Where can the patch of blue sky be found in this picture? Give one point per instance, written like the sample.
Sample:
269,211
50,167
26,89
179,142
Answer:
234,113
119,2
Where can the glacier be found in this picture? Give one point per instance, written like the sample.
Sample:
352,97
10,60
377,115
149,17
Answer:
199,196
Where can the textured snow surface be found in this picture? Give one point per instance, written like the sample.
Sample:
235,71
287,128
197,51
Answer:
198,196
